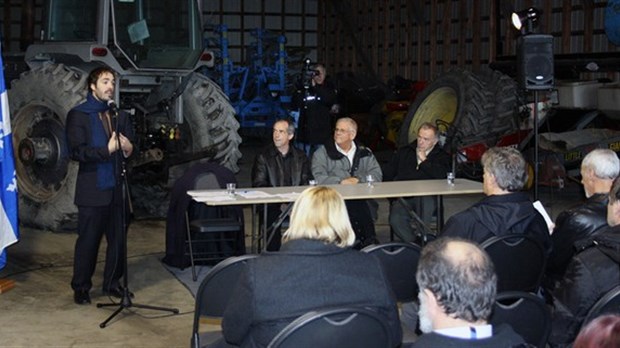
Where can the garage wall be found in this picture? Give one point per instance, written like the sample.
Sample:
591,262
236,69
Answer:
419,39
416,39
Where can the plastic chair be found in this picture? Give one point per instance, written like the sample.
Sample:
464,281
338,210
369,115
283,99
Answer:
214,293
527,314
519,262
335,328
609,303
212,232
400,262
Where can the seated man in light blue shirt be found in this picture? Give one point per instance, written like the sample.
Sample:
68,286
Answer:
458,285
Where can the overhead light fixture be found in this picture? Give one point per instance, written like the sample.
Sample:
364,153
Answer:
526,21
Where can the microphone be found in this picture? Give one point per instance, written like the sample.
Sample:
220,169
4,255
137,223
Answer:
113,107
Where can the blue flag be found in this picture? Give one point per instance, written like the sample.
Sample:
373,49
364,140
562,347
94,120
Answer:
8,182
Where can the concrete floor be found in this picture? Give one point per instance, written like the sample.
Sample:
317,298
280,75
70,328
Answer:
40,311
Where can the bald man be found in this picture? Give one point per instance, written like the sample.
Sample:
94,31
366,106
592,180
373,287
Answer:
458,285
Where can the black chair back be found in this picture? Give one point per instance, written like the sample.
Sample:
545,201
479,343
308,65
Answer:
215,290
335,328
213,233
400,262
527,314
519,261
608,303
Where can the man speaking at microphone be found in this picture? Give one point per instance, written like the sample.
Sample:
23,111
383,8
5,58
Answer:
99,138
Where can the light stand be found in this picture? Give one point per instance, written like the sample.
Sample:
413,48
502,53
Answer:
125,302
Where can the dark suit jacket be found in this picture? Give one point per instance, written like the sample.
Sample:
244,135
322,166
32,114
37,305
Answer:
79,138
304,275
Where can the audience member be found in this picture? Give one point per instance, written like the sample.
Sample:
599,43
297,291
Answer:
593,271
280,164
598,170
345,162
602,332
504,210
458,286
422,159
315,268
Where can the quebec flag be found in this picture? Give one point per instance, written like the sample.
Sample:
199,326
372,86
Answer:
8,182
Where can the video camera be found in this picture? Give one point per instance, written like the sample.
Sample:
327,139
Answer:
308,72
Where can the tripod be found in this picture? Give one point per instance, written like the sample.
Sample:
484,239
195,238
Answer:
125,302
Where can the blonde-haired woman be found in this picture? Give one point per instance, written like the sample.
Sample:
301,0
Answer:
315,268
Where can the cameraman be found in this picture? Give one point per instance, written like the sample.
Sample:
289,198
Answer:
318,98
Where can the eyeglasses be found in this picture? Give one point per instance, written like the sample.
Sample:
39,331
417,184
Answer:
341,130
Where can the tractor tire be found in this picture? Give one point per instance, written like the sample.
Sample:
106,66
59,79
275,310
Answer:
39,102
459,103
211,120
506,119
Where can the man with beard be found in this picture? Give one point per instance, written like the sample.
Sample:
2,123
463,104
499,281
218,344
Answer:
458,285
98,139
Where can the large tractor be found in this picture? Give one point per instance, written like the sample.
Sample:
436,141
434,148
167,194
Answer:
155,46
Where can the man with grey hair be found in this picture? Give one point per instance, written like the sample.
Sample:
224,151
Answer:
280,164
458,286
599,168
504,210
343,161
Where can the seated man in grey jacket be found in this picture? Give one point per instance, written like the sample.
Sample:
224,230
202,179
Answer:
345,162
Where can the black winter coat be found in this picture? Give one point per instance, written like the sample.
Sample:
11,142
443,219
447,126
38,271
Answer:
278,287
498,215
593,271
572,226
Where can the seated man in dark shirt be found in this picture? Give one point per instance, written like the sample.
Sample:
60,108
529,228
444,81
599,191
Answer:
280,164
504,210
458,285
598,170
420,160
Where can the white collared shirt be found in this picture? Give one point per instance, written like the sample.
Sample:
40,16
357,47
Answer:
468,332
350,154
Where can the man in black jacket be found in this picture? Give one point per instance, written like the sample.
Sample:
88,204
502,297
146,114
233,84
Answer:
280,164
422,159
599,168
504,210
593,271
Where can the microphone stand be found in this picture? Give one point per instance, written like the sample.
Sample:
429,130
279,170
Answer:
125,302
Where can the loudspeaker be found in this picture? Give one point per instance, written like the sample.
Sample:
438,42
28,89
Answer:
535,61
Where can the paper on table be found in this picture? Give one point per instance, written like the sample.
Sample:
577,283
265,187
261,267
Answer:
541,209
292,195
220,198
253,194
203,193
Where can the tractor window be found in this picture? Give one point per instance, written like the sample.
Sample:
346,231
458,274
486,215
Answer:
71,20
162,34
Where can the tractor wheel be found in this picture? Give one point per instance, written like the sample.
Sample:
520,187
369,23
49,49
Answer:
211,121
459,103
39,102
505,116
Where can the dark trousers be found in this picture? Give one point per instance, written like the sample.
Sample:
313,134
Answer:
361,219
93,223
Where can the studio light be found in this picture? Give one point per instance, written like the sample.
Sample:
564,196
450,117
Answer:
526,21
